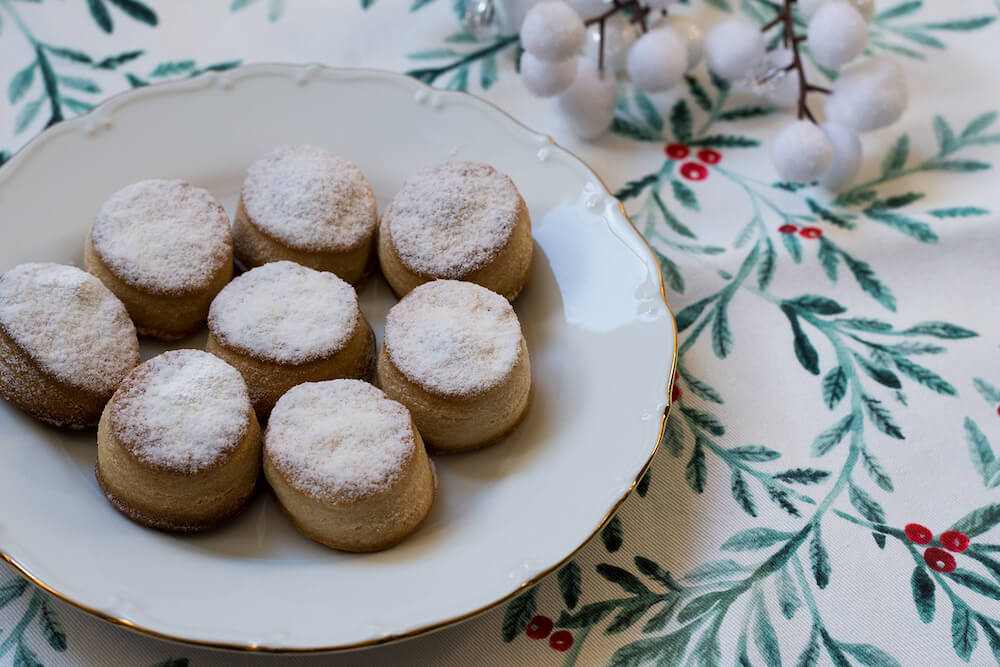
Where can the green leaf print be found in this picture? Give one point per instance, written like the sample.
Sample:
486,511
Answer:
648,110
51,627
963,631
875,471
896,157
986,390
804,350
867,506
519,613
794,246
625,579
979,124
764,636
705,420
111,62
137,11
820,305
741,493
834,386
100,14
21,82
12,590
788,598
696,472
753,539
828,215
680,120
976,582
725,141
754,453
940,330
802,475
611,534
945,135
923,593
722,339
924,376
881,418
698,93
896,11
978,521
883,376
957,212
819,559
831,437
684,195
569,583
653,570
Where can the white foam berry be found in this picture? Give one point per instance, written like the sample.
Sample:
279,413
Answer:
589,103
868,95
808,8
733,48
658,60
552,31
690,34
544,78
801,152
846,156
619,36
510,14
837,34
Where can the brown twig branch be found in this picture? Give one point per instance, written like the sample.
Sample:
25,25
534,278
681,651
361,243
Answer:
792,41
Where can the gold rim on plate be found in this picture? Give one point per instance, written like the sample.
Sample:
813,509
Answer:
256,648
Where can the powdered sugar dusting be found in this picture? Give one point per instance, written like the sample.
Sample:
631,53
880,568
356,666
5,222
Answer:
285,313
166,237
453,218
310,199
181,410
453,337
70,324
339,440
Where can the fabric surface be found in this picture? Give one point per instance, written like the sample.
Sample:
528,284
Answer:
839,362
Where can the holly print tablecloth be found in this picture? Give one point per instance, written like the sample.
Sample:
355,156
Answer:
826,491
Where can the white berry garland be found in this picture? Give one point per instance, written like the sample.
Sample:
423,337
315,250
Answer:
574,50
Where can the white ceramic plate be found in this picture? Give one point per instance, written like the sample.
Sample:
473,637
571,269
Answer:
600,334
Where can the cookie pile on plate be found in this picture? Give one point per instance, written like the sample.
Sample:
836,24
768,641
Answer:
180,443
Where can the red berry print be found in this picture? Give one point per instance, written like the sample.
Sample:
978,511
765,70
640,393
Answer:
561,640
811,232
675,395
954,540
939,560
694,171
918,534
709,156
677,151
998,410
788,229
539,628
